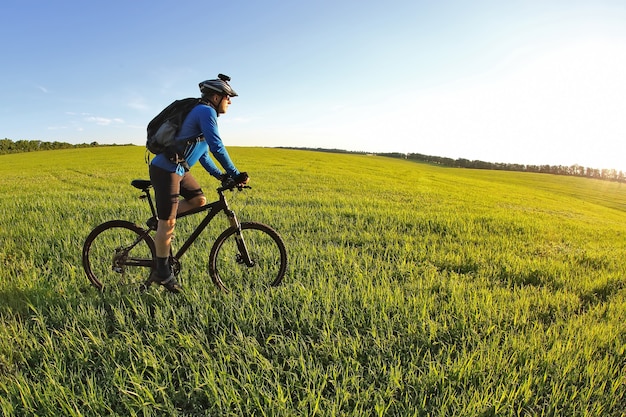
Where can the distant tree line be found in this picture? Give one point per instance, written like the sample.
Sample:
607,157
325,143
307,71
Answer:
573,170
9,146
329,150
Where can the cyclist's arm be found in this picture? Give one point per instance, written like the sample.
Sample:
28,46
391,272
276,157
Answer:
216,146
209,165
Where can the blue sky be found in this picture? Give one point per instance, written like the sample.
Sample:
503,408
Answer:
537,82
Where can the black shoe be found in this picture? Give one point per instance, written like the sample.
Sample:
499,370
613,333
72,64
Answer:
169,282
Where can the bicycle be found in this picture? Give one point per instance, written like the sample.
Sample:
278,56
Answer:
245,254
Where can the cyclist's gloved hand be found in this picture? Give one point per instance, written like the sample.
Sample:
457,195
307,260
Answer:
242,178
227,181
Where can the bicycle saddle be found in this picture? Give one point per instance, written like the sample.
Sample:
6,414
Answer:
141,184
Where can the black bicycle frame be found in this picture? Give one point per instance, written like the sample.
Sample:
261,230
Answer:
215,208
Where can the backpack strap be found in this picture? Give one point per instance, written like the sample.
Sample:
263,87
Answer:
177,157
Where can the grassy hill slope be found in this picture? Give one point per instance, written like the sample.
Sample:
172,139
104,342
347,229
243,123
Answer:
412,290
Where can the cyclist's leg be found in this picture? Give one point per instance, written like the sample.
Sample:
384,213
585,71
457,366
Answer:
191,192
166,191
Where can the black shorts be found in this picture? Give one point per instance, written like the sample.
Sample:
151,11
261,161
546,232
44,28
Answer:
168,187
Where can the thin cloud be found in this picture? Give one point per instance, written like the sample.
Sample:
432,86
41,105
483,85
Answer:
137,103
103,121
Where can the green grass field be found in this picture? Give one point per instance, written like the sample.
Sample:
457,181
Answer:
413,290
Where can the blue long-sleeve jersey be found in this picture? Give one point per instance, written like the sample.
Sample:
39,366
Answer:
201,121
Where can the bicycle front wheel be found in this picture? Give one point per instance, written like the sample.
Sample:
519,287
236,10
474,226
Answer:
118,253
253,257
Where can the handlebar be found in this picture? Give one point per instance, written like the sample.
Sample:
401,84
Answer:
231,185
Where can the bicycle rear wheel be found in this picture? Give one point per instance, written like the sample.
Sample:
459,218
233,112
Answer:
254,257
118,253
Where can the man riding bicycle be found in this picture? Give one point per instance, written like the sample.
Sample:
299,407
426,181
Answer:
171,179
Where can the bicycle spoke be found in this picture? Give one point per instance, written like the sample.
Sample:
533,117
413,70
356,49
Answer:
118,254
267,258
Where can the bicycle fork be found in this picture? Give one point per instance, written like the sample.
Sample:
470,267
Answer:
243,257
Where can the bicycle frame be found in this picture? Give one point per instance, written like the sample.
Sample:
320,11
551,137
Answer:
248,252
215,208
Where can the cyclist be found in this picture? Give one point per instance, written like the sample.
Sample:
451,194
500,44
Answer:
172,180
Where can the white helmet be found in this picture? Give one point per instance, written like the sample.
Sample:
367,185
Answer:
220,85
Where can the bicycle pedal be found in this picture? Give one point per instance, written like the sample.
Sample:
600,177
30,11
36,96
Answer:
152,223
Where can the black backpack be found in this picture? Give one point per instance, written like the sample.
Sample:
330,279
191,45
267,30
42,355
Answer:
163,128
